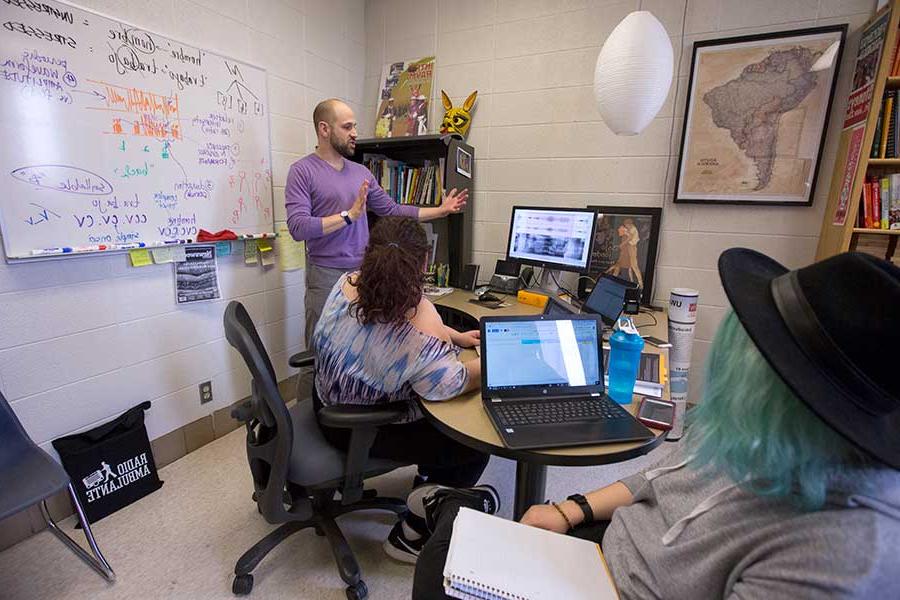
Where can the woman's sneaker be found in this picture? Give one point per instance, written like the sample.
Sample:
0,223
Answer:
403,543
424,502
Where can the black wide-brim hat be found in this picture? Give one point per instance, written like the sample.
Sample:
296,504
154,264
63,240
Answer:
831,330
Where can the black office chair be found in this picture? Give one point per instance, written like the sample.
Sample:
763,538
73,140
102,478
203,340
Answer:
29,476
296,472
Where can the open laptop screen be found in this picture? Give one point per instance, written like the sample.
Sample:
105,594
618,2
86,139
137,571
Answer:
547,353
607,298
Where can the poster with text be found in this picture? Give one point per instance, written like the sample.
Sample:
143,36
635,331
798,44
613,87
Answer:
197,279
403,98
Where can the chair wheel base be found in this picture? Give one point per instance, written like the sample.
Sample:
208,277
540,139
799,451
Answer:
358,591
242,585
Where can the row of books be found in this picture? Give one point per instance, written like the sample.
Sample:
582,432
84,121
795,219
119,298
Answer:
880,205
886,143
407,184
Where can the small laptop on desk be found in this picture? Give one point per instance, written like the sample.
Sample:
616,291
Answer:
542,383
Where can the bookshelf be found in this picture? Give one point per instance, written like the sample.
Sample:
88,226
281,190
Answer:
847,182
454,231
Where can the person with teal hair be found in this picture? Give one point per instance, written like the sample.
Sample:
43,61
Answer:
787,482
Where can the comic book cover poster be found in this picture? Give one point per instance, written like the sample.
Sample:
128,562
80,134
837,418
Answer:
404,97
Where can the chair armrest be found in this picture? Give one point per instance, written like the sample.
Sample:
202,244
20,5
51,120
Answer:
302,359
350,417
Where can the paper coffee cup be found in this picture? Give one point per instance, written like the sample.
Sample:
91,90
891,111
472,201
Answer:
683,305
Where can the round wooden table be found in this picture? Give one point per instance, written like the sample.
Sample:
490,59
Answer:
465,420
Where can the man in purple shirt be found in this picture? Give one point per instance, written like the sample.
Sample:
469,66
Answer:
326,197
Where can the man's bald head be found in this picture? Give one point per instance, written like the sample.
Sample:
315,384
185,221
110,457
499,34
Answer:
326,111
335,125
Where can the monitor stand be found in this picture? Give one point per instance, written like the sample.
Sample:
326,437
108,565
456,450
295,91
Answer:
546,285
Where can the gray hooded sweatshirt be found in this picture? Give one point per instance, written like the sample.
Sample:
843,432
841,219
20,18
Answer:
695,536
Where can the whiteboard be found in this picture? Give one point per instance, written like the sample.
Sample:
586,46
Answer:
114,137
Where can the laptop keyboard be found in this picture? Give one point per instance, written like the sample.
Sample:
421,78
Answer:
521,413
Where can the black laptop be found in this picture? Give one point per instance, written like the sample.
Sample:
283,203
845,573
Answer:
542,383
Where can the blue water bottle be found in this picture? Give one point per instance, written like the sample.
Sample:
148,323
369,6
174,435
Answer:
625,347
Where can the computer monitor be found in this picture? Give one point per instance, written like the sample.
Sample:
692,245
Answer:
555,238
607,299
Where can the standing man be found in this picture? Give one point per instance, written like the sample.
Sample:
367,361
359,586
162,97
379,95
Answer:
326,197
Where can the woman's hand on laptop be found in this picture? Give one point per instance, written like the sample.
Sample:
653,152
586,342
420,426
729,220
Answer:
466,339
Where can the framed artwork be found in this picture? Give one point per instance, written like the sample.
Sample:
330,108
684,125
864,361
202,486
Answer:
756,116
625,245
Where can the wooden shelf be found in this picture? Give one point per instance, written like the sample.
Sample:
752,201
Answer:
892,83
884,162
876,231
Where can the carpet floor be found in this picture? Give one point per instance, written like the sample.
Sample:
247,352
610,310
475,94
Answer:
182,541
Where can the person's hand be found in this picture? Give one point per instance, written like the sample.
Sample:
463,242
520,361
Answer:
545,516
359,206
454,202
469,339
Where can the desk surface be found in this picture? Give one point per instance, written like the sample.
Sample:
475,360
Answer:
464,419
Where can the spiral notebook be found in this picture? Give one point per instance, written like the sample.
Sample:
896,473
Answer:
494,559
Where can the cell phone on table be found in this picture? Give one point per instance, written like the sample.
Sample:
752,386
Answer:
655,341
656,413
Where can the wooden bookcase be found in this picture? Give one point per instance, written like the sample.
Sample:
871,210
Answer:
454,231
837,238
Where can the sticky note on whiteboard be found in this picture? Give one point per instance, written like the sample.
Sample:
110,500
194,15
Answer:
223,248
250,252
140,257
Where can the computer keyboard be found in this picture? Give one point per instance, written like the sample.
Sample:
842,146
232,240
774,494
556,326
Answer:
544,412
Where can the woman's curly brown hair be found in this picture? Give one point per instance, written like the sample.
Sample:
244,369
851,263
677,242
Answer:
390,280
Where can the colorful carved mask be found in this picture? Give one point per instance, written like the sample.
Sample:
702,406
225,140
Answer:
457,120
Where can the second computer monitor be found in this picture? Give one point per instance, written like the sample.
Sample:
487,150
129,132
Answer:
556,238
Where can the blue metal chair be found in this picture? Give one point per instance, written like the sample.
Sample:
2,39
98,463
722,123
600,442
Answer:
29,476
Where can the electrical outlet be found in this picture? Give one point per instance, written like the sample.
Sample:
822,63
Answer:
206,392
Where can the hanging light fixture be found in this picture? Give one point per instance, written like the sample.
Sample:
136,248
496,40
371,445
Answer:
633,74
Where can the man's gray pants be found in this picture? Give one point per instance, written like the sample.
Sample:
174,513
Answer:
319,283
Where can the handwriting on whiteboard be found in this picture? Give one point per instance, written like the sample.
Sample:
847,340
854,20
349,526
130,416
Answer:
64,178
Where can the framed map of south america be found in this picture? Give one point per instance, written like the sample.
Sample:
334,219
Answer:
756,115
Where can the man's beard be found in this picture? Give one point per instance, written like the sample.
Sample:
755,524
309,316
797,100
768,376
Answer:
343,148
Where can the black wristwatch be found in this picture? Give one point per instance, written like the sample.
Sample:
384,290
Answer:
346,216
582,503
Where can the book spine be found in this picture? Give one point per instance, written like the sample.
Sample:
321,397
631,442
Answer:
876,139
876,205
885,124
891,148
885,197
867,205
894,212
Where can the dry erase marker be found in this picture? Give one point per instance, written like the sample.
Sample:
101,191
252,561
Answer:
45,251
131,246
89,248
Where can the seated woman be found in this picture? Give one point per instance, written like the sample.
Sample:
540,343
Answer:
786,485
380,340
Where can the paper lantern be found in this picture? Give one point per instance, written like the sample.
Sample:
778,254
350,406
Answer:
633,74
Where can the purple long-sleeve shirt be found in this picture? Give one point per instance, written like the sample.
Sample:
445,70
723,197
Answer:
314,190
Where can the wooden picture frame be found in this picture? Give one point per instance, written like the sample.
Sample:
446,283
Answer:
614,239
737,147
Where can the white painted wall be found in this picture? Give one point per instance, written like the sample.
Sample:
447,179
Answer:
539,139
83,339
